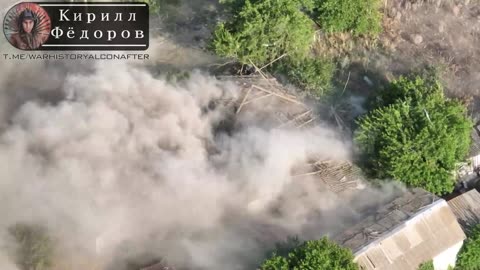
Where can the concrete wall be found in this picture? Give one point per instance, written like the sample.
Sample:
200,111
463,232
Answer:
448,257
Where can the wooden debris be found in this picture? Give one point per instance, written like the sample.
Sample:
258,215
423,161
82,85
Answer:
244,99
338,176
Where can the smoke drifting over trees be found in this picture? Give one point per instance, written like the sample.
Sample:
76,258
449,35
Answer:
118,164
122,168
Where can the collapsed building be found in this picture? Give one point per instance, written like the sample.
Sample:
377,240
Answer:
283,109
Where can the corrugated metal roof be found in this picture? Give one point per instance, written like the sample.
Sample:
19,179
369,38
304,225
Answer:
466,208
425,235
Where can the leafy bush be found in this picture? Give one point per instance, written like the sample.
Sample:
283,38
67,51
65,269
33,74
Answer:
417,137
426,266
313,75
157,6
263,30
414,88
319,254
468,258
358,16
35,248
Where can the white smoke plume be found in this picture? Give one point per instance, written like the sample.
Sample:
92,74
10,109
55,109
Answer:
118,164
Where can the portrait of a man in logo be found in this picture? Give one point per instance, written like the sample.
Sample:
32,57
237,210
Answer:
27,26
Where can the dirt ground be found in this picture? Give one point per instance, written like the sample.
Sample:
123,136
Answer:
417,33
442,33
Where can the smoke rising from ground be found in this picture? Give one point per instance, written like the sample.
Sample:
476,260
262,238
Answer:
119,164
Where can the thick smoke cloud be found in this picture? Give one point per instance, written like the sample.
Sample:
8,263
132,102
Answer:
119,164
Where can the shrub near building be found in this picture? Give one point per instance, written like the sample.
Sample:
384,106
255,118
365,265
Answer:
416,136
469,256
317,254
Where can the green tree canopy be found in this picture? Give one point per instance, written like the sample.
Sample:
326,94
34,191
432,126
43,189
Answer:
469,256
263,30
318,254
416,89
417,137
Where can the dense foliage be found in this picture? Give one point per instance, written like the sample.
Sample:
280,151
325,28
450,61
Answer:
469,256
35,248
357,16
418,136
427,266
263,30
320,254
416,89
312,75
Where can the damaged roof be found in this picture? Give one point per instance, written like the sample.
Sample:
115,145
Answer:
466,208
341,177
406,232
